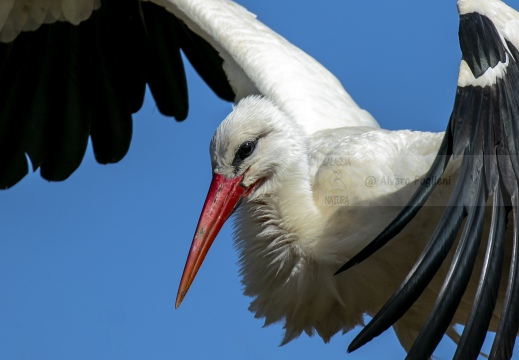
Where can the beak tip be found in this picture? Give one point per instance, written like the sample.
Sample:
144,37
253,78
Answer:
179,299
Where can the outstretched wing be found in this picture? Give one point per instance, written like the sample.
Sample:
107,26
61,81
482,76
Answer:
63,83
483,128
70,70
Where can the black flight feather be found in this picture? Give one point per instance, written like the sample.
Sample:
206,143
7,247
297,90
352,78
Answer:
483,128
61,84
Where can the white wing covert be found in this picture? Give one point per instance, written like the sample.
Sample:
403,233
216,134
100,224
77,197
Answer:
259,61
28,15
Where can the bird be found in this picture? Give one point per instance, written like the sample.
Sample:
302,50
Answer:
271,156
363,114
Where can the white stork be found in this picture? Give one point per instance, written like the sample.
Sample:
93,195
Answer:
271,150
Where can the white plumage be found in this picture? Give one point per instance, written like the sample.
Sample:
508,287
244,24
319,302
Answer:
259,61
291,241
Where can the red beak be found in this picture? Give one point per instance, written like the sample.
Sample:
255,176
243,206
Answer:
222,198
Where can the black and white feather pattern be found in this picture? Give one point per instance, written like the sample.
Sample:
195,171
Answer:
144,41
483,129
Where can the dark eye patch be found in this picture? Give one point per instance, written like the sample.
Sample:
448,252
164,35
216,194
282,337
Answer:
244,151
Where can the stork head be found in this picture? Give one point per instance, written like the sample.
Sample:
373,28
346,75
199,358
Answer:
250,150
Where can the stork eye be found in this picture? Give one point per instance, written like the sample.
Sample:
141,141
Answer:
246,149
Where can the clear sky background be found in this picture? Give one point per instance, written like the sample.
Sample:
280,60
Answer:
89,267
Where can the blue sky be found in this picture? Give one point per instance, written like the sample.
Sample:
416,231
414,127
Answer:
89,267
